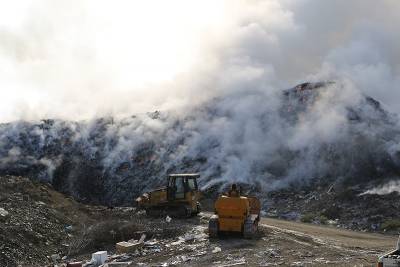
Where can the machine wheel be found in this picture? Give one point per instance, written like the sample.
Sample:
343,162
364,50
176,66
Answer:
249,229
198,209
188,212
153,212
213,227
179,211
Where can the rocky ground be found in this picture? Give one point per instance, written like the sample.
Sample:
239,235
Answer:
38,224
41,227
337,205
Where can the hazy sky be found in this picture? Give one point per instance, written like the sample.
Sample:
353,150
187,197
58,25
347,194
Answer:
78,59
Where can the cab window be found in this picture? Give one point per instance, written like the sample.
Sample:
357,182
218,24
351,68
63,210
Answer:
180,188
171,182
192,184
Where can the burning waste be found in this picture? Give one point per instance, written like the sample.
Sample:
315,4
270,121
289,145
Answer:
304,133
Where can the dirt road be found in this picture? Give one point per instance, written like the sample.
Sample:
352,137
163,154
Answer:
335,236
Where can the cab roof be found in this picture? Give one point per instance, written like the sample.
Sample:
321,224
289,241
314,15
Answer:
191,175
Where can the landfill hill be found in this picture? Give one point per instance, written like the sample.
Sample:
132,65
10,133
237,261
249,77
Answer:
284,143
41,227
285,156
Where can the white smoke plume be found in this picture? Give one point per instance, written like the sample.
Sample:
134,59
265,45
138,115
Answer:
216,70
388,188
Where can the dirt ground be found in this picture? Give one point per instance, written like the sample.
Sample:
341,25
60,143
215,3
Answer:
279,243
42,223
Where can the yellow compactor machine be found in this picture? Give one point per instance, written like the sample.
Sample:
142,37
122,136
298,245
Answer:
235,213
179,198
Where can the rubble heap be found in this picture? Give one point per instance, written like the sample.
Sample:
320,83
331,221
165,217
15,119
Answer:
110,161
32,229
336,205
41,227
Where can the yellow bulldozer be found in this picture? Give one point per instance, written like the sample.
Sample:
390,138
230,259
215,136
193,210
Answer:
235,213
179,198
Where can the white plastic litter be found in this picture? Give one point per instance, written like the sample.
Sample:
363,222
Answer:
216,250
3,212
99,257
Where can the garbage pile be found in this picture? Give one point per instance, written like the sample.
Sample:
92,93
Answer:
40,226
31,230
187,247
110,161
338,206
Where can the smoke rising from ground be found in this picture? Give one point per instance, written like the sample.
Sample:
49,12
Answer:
390,187
217,71
310,132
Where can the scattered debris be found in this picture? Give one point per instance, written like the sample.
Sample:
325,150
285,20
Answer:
126,247
35,229
391,258
130,246
75,264
234,262
3,214
341,207
99,258
55,258
216,250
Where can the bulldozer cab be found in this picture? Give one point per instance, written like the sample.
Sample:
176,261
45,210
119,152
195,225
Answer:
180,184
179,198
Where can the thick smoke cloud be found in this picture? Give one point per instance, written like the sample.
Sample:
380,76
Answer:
217,71
75,60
